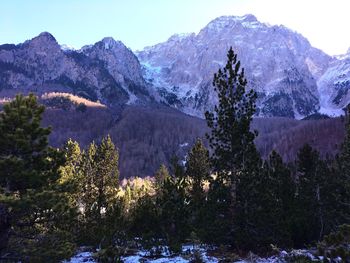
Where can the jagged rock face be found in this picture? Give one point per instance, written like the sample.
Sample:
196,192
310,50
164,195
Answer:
280,65
292,78
40,65
334,86
121,63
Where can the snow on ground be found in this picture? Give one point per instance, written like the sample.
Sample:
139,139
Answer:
136,259
81,257
132,98
185,144
186,255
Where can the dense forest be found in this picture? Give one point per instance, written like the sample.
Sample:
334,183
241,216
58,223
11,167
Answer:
54,200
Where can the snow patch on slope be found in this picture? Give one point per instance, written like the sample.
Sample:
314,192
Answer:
337,75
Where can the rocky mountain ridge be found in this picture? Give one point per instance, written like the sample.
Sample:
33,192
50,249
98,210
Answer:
334,86
292,78
107,71
280,65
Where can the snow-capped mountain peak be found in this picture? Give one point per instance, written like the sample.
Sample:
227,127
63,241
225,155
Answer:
280,64
228,22
292,78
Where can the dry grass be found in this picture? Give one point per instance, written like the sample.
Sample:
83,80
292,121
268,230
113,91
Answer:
73,98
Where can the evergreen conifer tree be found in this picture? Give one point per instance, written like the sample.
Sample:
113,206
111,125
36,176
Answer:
310,211
25,158
99,184
198,172
279,188
235,158
71,170
172,202
39,214
161,175
340,185
231,138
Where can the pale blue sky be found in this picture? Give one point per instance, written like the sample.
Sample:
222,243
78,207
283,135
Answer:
139,23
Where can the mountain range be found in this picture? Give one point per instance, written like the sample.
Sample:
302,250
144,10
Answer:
152,101
292,78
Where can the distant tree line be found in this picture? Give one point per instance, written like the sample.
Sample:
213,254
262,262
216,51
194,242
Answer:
55,200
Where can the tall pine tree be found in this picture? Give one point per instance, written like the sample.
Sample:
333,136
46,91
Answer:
312,175
39,213
340,194
235,158
198,172
99,187
25,158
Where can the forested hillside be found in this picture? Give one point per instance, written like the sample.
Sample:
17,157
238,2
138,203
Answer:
147,136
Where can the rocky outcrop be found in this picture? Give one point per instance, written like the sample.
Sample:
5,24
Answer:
99,72
280,65
122,65
291,78
334,86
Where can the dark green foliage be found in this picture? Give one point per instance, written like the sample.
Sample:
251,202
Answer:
273,199
173,211
38,209
161,175
26,161
145,220
97,189
316,200
217,219
341,180
71,170
198,173
176,168
235,158
309,211
336,244
4,226
231,138
282,195
263,206
55,200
